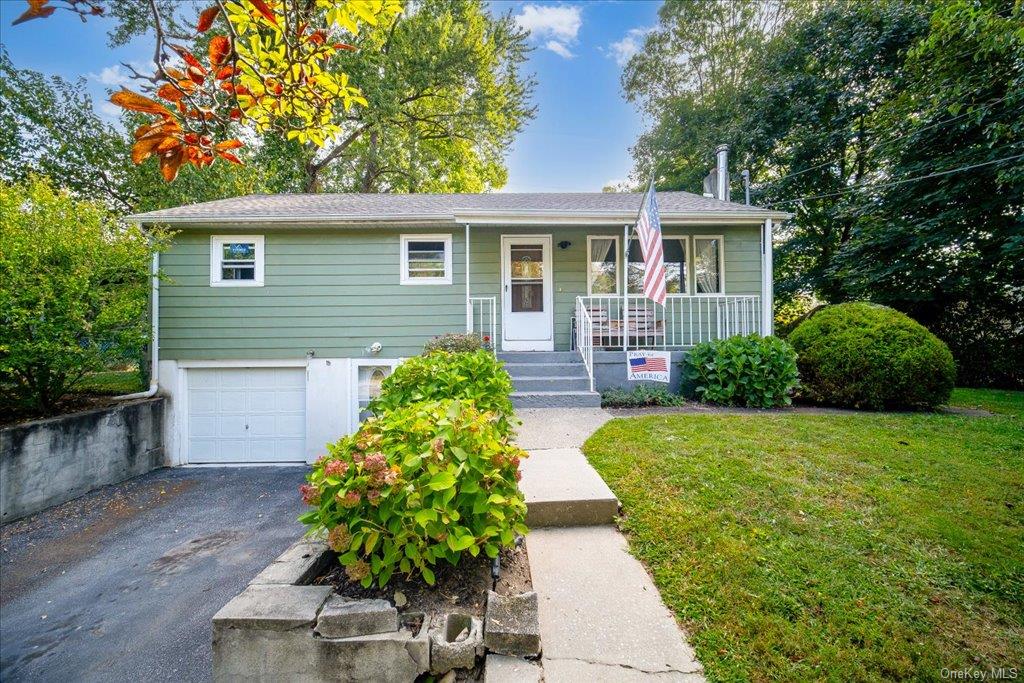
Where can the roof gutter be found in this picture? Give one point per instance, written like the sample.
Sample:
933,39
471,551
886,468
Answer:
476,217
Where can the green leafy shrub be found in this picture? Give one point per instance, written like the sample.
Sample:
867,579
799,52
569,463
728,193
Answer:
641,396
751,371
862,355
416,485
74,286
454,342
478,377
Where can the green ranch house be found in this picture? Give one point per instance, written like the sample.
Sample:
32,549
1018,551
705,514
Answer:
277,316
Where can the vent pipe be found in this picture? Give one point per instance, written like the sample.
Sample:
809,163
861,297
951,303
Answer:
722,166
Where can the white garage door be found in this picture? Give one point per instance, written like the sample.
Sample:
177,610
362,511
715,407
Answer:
241,415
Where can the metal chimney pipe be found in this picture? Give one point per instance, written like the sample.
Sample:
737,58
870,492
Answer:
722,165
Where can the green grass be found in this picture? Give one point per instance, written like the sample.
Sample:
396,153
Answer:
994,400
858,547
112,382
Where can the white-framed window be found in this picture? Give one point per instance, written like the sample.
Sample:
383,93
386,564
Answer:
236,261
709,264
676,251
426,260
367,376
603,273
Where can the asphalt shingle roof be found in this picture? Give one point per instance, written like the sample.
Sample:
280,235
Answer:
382,207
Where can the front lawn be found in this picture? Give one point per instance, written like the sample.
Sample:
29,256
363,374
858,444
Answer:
842,547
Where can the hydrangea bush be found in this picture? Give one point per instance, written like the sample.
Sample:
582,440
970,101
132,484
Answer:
478,377
455,342
415,485
750,371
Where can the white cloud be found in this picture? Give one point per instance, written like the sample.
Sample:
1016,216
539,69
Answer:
559,49
622,50
118,76
557,25
112,76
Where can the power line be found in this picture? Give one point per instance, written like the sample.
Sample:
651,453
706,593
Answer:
883,143
896,182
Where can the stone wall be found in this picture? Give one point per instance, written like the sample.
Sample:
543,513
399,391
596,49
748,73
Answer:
47,462
610,373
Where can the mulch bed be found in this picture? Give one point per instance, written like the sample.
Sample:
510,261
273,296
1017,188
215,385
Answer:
462,588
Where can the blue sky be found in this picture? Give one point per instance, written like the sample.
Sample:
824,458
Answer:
579,140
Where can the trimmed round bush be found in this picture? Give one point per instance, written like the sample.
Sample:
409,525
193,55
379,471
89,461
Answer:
863,355
478,377
751,371
414,486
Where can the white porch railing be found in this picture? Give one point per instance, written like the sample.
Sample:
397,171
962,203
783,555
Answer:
585,338
483,320
682,322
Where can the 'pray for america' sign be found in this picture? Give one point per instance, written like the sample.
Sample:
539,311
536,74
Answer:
651,366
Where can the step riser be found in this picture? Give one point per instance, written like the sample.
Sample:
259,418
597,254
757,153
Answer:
551,513
587,400
531,384
538,370
540,357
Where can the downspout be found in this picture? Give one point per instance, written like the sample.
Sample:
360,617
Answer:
767,281
469,301
154,376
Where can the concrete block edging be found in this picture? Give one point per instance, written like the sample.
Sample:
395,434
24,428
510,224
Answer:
280,627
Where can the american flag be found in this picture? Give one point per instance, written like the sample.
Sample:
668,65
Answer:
648,364
648,229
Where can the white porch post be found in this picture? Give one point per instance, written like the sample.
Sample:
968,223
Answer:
469,301
625,288
767,281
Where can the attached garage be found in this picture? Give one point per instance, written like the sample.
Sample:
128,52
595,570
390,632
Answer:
246,415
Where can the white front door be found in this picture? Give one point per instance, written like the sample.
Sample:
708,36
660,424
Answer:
245,415
527,304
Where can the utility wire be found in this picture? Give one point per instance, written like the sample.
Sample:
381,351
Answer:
883,143
895,182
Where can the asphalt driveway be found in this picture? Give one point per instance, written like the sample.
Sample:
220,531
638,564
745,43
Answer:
120,585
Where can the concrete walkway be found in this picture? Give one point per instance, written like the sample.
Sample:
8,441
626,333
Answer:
601,617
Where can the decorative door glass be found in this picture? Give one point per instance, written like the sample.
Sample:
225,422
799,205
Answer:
527,278
370,378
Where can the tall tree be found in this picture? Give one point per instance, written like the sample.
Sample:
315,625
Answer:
446,96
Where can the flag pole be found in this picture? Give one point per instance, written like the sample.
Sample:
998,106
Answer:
628,234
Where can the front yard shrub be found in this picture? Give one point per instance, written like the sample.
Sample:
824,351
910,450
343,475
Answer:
454,342
74,285
863,355
415,485
478,377
751,371
641,396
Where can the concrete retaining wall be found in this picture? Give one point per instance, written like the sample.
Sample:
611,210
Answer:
48,462
610,372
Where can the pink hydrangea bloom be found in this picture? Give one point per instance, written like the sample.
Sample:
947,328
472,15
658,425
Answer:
375,462
336,468
310,494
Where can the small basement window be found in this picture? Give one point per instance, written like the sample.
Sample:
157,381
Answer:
236,261
368,386
426,260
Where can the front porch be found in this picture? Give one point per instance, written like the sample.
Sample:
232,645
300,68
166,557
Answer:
577,289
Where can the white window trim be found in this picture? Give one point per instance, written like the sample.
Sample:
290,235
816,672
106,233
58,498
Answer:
618,265
216,257
354,385
688,248
721,263
404,273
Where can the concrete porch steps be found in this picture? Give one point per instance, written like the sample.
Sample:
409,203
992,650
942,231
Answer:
549,379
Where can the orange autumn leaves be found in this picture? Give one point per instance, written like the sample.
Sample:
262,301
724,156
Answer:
171,138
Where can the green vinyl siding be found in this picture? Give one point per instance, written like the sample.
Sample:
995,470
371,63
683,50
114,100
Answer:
335,292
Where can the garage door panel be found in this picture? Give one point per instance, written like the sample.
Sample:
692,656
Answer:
239,415
292,401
